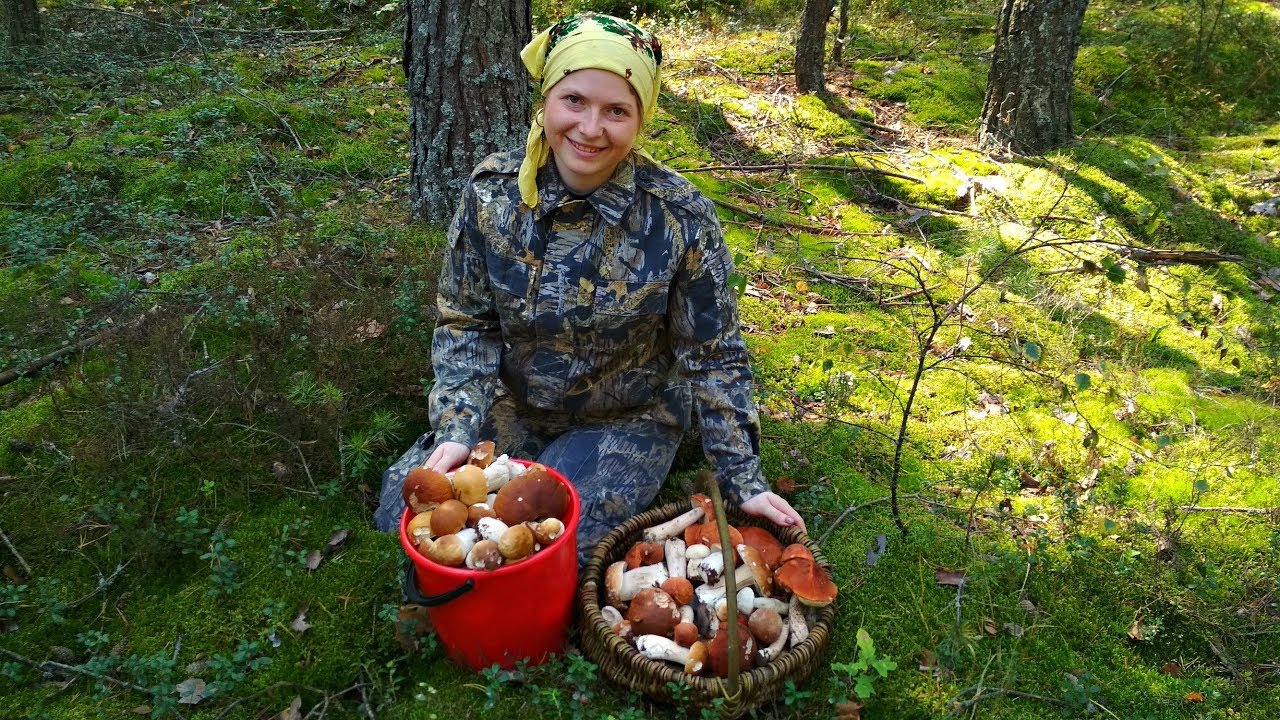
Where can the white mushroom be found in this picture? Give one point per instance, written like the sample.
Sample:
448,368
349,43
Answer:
491,528
746,600
697,551
656,647
795,622
775,648
672,527
468,537
673,550
622,585
500,472
709,569
611,614
773,604
686,613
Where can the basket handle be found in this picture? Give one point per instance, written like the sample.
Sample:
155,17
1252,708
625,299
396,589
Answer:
415,597
730,586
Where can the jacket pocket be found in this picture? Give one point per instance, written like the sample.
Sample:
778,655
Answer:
623,297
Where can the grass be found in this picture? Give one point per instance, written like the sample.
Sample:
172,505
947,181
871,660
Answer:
285,348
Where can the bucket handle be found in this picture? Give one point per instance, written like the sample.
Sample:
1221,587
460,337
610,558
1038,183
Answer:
414,597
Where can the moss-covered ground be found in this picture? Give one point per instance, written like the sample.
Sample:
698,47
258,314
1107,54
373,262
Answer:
1093,437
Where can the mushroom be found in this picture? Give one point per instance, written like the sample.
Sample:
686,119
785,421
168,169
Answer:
760,573
482,454
644,553
533,495
773,604
744,600
771,651
764,542
673,527
469,485
448,550
686,613
653,612
547,530
680,589
621,584
610,614
516,543
477,511
709,534
709,569
484,555
697,551
491,528
673,551
655,647
795,550
685,633
419,526
795,623
623,629
425,488
807,581
765,625
500,472
718,650
448,518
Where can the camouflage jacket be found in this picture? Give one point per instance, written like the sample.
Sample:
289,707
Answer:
595,307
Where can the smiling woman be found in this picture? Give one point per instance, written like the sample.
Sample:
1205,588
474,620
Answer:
584,303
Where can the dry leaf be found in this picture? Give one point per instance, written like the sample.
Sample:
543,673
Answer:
952,578
1013,629
411,622
293,712
1028,481
989,626
338,540
314,558
190,691
371,330
802,287
141,710
848,711
1195,696
300,624
1172,669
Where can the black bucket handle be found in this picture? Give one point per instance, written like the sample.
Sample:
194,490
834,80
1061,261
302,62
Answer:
414,597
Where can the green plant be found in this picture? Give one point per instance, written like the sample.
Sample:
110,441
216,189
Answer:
361,450
225,571
496,678
11,597
860,675
190,535
230,671
1081,693
285,553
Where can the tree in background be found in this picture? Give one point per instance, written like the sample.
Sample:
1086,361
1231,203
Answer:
811,46
468,93
1027,108
21,22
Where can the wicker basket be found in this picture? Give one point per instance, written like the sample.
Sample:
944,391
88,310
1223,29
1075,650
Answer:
622,663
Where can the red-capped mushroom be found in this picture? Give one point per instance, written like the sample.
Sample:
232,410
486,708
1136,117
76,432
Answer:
533,495
653,612
680,589
807,581
644,553
425,488
718,649
764,542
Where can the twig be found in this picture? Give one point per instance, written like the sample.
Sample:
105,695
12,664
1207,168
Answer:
847,512
103,583
998,692
291,443
16,554
804,166
271,688
1243,510
50,666
39,363
772,221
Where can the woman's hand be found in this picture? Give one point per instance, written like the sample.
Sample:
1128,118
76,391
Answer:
447,456
772,507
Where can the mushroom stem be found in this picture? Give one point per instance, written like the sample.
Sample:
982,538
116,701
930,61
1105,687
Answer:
773,604
796,623
656,647
672,527
622,585
774,649
674,551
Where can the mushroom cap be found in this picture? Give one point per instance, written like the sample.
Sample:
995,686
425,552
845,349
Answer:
685,634
532,495
484,555
613,583
470,485
718,649
546,531
448,518
708,507
419,524
680,589
425,488
653,612
516,543
770,547
478,511
765,624
709,534
807,581
482,454
697,658
447,550
759,570
644,553
795,550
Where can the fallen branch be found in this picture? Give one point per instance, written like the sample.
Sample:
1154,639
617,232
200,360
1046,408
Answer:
49,666
40,363
1242,510
773,221
15,552
293,444
958,705
804,166
1153,256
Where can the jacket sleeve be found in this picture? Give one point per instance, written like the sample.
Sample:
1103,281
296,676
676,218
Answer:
466,346
712,357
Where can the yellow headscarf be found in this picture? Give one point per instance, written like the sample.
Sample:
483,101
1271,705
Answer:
580,42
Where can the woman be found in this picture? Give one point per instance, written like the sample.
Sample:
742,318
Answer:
584,305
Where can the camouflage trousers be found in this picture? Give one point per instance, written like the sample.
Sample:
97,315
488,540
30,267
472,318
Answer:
616,465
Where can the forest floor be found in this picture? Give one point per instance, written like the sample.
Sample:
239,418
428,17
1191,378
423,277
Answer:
1085,345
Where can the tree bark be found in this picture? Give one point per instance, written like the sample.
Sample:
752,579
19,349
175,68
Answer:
22,22
1027,109
842,34
468,93
811,46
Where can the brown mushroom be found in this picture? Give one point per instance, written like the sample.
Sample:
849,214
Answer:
795,550
448,518
765,625
653,612
685,634
546,531
469,485
709,534
478,511
621,584
759,569
484,555
482,454
807,581
448,550
718,649
534,495
764,542
680,589
516,543
644,553
419,526
425,488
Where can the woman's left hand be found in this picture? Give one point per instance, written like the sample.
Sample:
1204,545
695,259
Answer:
772,507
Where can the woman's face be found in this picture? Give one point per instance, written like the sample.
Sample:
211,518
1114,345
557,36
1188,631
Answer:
591,119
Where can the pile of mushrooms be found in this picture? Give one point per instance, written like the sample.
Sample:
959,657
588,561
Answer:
667,597
488,513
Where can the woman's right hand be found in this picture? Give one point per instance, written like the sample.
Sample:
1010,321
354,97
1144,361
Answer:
447,456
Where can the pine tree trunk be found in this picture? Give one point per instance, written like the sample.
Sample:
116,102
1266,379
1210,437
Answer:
468,93
1027,108
21,22
811,46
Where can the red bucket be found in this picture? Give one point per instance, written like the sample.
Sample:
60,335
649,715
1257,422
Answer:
501,616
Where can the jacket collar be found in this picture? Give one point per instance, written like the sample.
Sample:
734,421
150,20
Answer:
611,200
